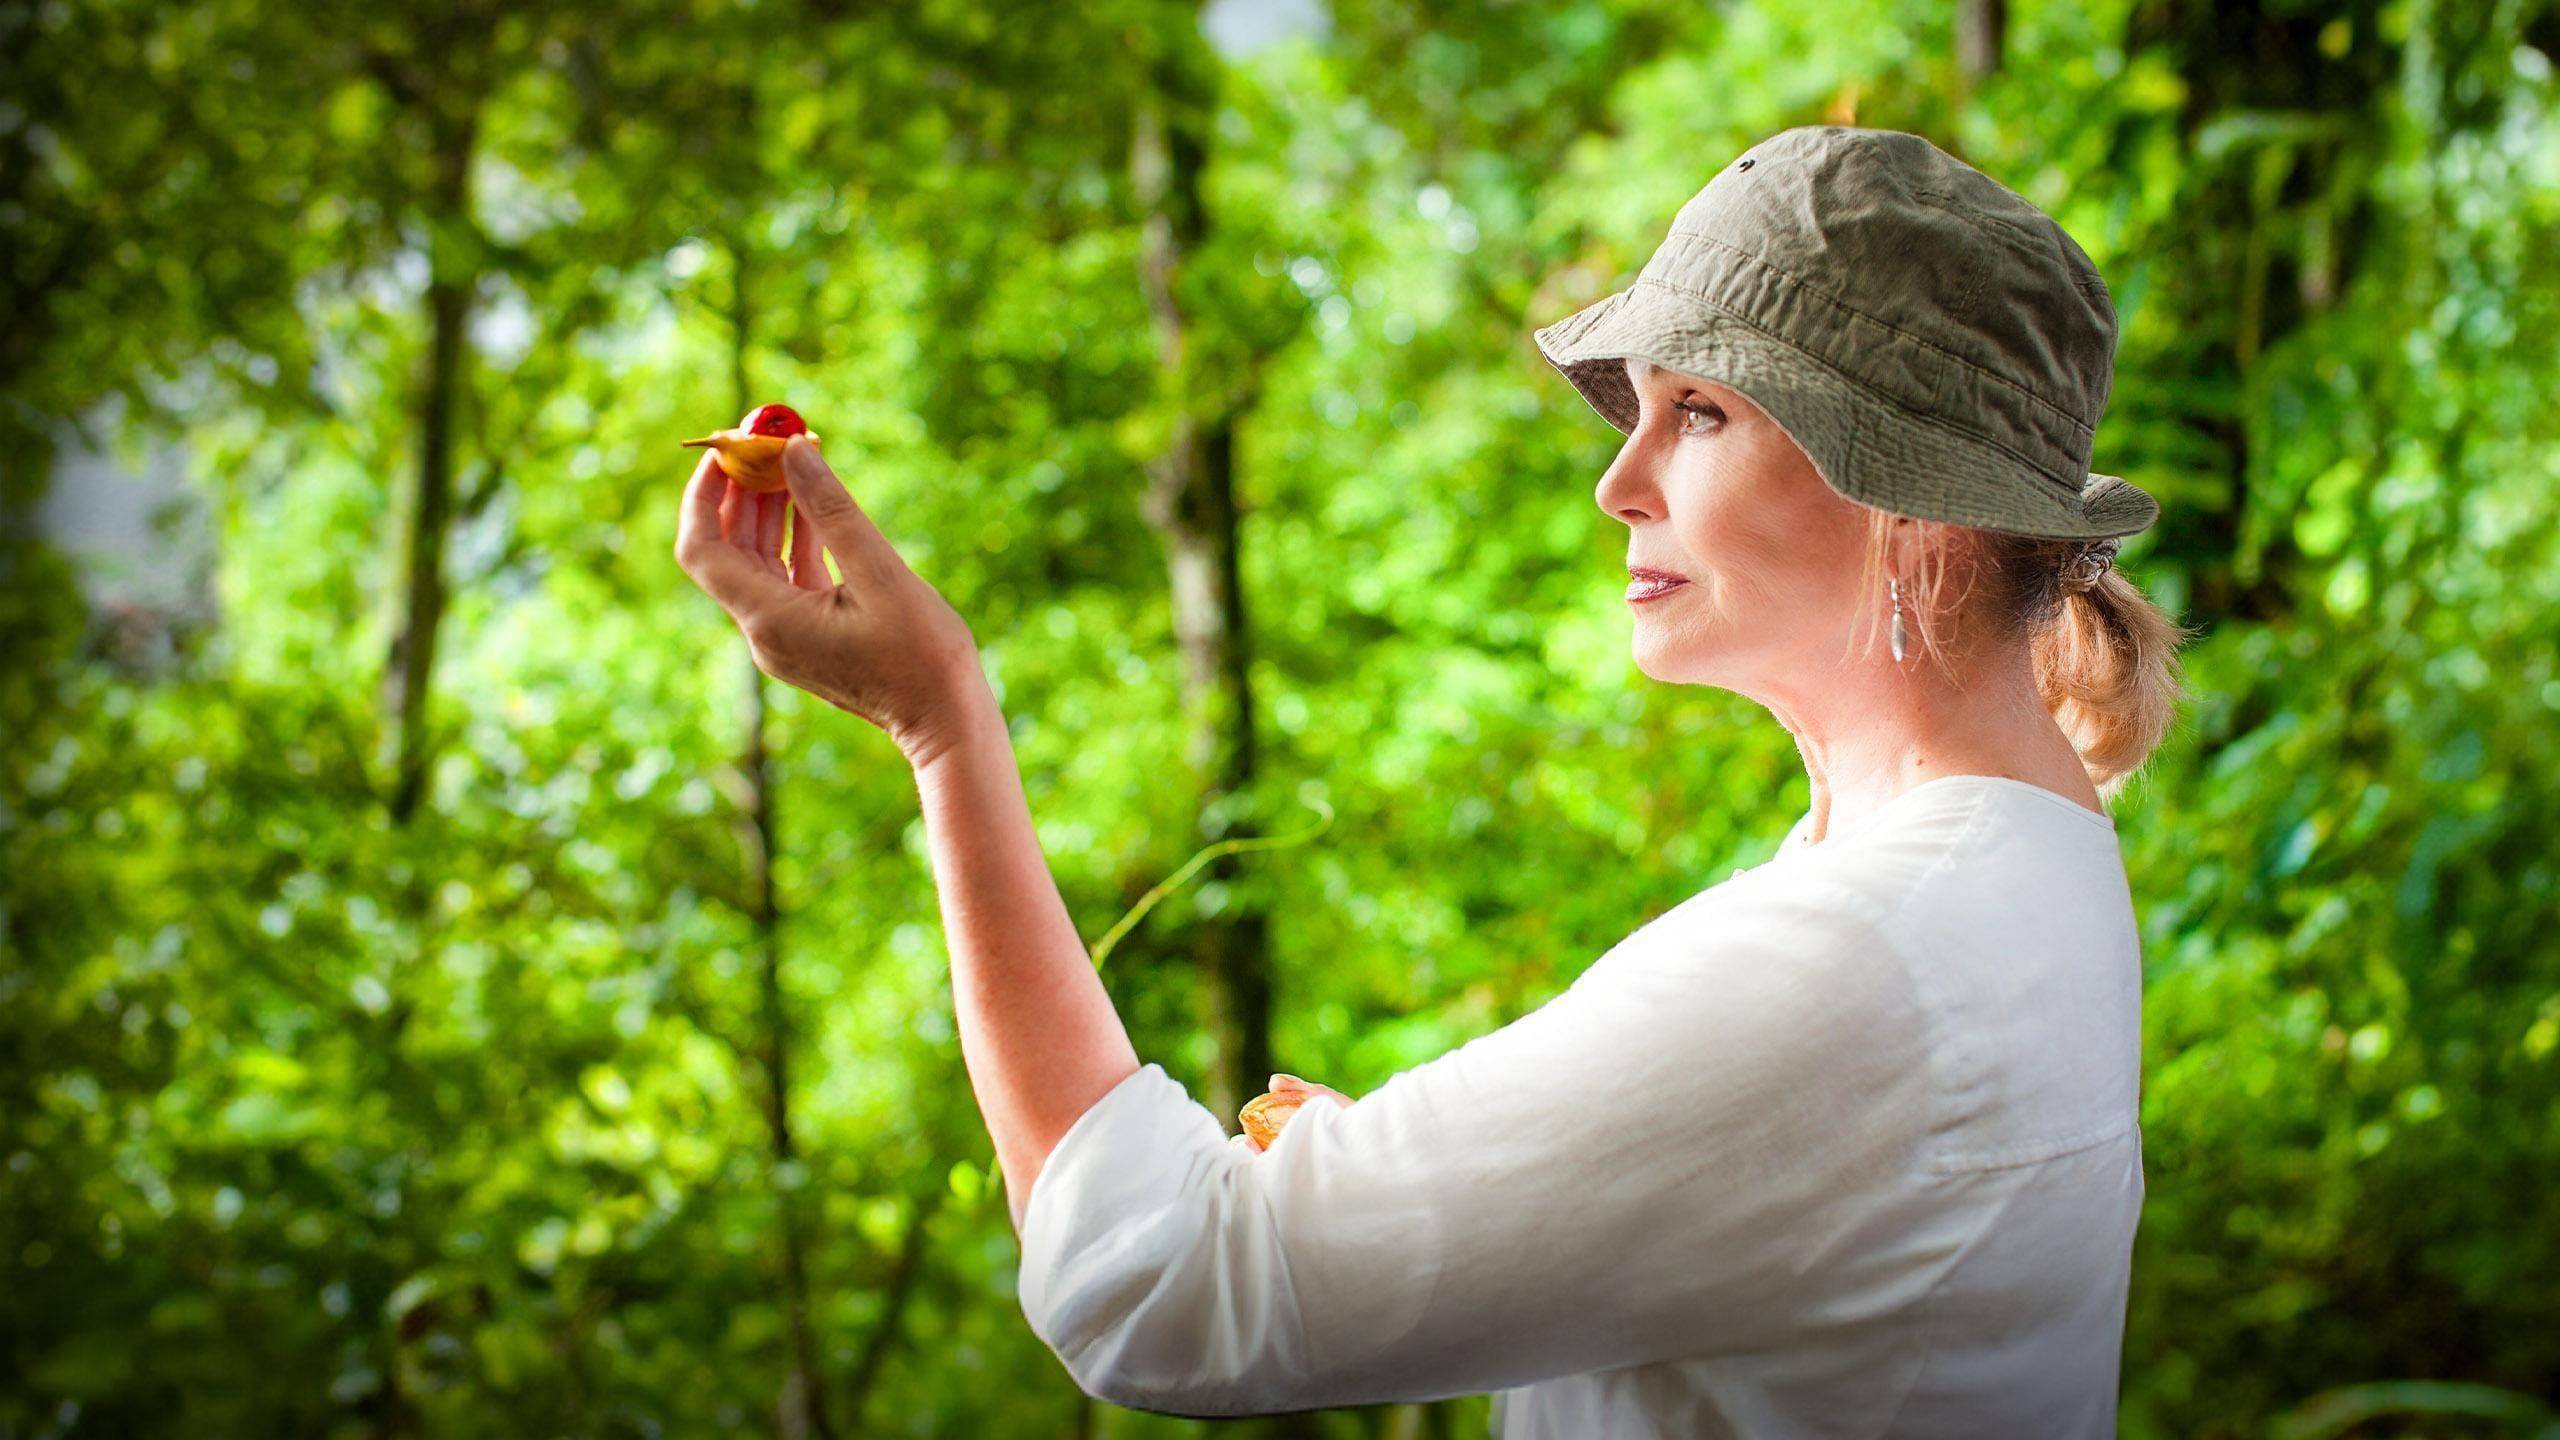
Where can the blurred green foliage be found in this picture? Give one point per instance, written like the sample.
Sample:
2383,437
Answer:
321,1119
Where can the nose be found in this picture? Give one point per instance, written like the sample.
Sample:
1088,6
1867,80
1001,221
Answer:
1627,490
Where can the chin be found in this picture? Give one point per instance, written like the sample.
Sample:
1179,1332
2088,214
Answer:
1667,663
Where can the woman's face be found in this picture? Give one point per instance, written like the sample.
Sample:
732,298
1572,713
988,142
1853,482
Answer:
1714,490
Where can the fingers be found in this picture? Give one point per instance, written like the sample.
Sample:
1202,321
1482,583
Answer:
824,502
808,566
1285,1082
769,512
752,521
706,498
728,573
733,510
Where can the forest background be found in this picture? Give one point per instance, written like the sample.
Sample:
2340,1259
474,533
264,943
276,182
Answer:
445,993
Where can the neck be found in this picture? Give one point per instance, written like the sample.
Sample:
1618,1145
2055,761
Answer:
1891,727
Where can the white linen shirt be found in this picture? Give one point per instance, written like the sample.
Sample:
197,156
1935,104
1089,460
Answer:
1843,1145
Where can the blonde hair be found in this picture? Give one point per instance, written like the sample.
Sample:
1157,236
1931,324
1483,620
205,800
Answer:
2105,658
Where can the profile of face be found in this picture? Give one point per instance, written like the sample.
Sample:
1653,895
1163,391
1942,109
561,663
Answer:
1714,490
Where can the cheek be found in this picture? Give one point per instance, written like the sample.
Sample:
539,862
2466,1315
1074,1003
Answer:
1752,516
1727,535
1705,502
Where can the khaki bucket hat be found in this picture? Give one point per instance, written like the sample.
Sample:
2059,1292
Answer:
1936,344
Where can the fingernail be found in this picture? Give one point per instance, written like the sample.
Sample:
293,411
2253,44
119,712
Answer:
797,454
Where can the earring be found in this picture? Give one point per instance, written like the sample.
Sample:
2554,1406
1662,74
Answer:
1895,582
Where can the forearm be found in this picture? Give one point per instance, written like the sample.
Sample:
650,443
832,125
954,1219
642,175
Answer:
1037,1030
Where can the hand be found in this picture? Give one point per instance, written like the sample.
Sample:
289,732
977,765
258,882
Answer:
883,644
1281,1084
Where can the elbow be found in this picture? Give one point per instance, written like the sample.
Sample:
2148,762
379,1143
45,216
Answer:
1203,1387
1181,1361
1181,1326
1162,1286
1196,1397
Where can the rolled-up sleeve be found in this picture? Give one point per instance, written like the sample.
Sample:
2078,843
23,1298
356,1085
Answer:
1653,1164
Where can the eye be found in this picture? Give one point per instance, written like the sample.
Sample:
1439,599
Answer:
1701,411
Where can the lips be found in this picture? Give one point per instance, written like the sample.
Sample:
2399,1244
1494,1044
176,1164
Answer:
1644,582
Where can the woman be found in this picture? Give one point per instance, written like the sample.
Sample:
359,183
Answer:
1845,1144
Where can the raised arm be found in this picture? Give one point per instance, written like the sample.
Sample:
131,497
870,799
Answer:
1037,1030
1654,1164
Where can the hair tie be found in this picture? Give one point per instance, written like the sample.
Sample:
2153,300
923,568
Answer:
2089,565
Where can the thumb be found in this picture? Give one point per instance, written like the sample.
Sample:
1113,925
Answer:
829,508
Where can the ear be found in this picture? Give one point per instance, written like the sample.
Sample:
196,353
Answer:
1899,550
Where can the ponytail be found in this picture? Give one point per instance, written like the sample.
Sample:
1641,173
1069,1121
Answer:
2105,657
2106,663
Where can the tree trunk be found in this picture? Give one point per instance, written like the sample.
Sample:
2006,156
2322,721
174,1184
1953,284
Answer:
1982,29
413,644
1190,502
800,1410
452,276
902,1283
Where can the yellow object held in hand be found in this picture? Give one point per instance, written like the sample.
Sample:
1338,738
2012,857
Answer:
751,454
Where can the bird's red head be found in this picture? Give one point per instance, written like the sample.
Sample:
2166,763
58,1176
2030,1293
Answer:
776,420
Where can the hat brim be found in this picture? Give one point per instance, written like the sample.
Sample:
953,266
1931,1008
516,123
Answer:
1856,437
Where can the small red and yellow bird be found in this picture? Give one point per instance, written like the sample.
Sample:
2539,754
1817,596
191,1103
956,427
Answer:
751,454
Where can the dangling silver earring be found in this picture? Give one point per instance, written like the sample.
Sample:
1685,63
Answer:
1895,582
